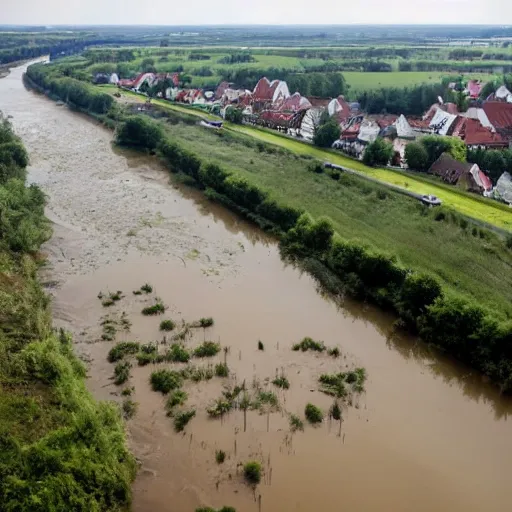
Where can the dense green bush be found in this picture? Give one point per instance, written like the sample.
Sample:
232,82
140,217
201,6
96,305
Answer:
327,133
378,152
140,132
313,414
252,472
416,156
165,381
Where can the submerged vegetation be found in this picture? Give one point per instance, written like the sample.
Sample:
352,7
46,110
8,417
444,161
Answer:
167,325
309,344
182,418
165,381
313,414
120,350
156,309
59,448
207,349
252,472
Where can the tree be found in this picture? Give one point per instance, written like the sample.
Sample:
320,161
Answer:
378,152
148,65
494,163
437,145
140,132
234,115
416,156
327,133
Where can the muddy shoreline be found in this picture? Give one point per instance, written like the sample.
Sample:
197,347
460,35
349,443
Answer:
118,222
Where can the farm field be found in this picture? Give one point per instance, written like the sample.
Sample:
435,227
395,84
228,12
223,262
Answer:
361,81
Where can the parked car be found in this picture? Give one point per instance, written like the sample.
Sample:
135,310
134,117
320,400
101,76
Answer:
430,200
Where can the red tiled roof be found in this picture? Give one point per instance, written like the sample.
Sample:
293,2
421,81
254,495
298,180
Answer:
475,134
295,102
499,114
264,90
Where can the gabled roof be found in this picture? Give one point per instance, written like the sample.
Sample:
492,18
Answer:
340,108
474,134
404,129
474,88
503,94
293,103
449,169
499,114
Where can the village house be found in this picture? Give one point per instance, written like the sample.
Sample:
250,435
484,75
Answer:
465,175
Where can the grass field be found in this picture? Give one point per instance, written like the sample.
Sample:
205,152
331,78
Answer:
473,206
362,81
391,222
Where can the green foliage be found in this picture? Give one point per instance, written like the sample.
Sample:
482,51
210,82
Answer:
296,423
139,132
335,411
146,288
207,349
177,354
260,345
436,145
334,352
129,408
206,322
378,153
167,325
165,381
156,309
281,382
120,350
220,407
122,372
220,456
340,384
176,397
313,414
309,344
266,398
234,115
222,370
416,156
327,133
182,418
252,472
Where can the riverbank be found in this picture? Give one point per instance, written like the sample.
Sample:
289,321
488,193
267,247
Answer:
60,449
119,223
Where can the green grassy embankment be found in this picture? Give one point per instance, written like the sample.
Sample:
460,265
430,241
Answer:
59,449
482,209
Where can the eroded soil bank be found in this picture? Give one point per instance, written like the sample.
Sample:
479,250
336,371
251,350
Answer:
425,436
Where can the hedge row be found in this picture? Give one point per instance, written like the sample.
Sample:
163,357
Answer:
70,90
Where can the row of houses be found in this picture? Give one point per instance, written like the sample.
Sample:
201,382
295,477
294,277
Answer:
486,125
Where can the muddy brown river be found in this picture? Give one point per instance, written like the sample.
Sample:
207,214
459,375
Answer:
426,435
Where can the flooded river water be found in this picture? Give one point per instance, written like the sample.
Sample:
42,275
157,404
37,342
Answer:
426,435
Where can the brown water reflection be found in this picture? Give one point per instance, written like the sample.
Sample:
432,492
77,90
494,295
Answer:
427,435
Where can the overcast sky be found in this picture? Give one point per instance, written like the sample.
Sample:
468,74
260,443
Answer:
175,12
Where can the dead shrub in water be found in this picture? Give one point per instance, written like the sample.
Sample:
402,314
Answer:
309,344
260,345
146,288
220,407
129,409
335,411
220,456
